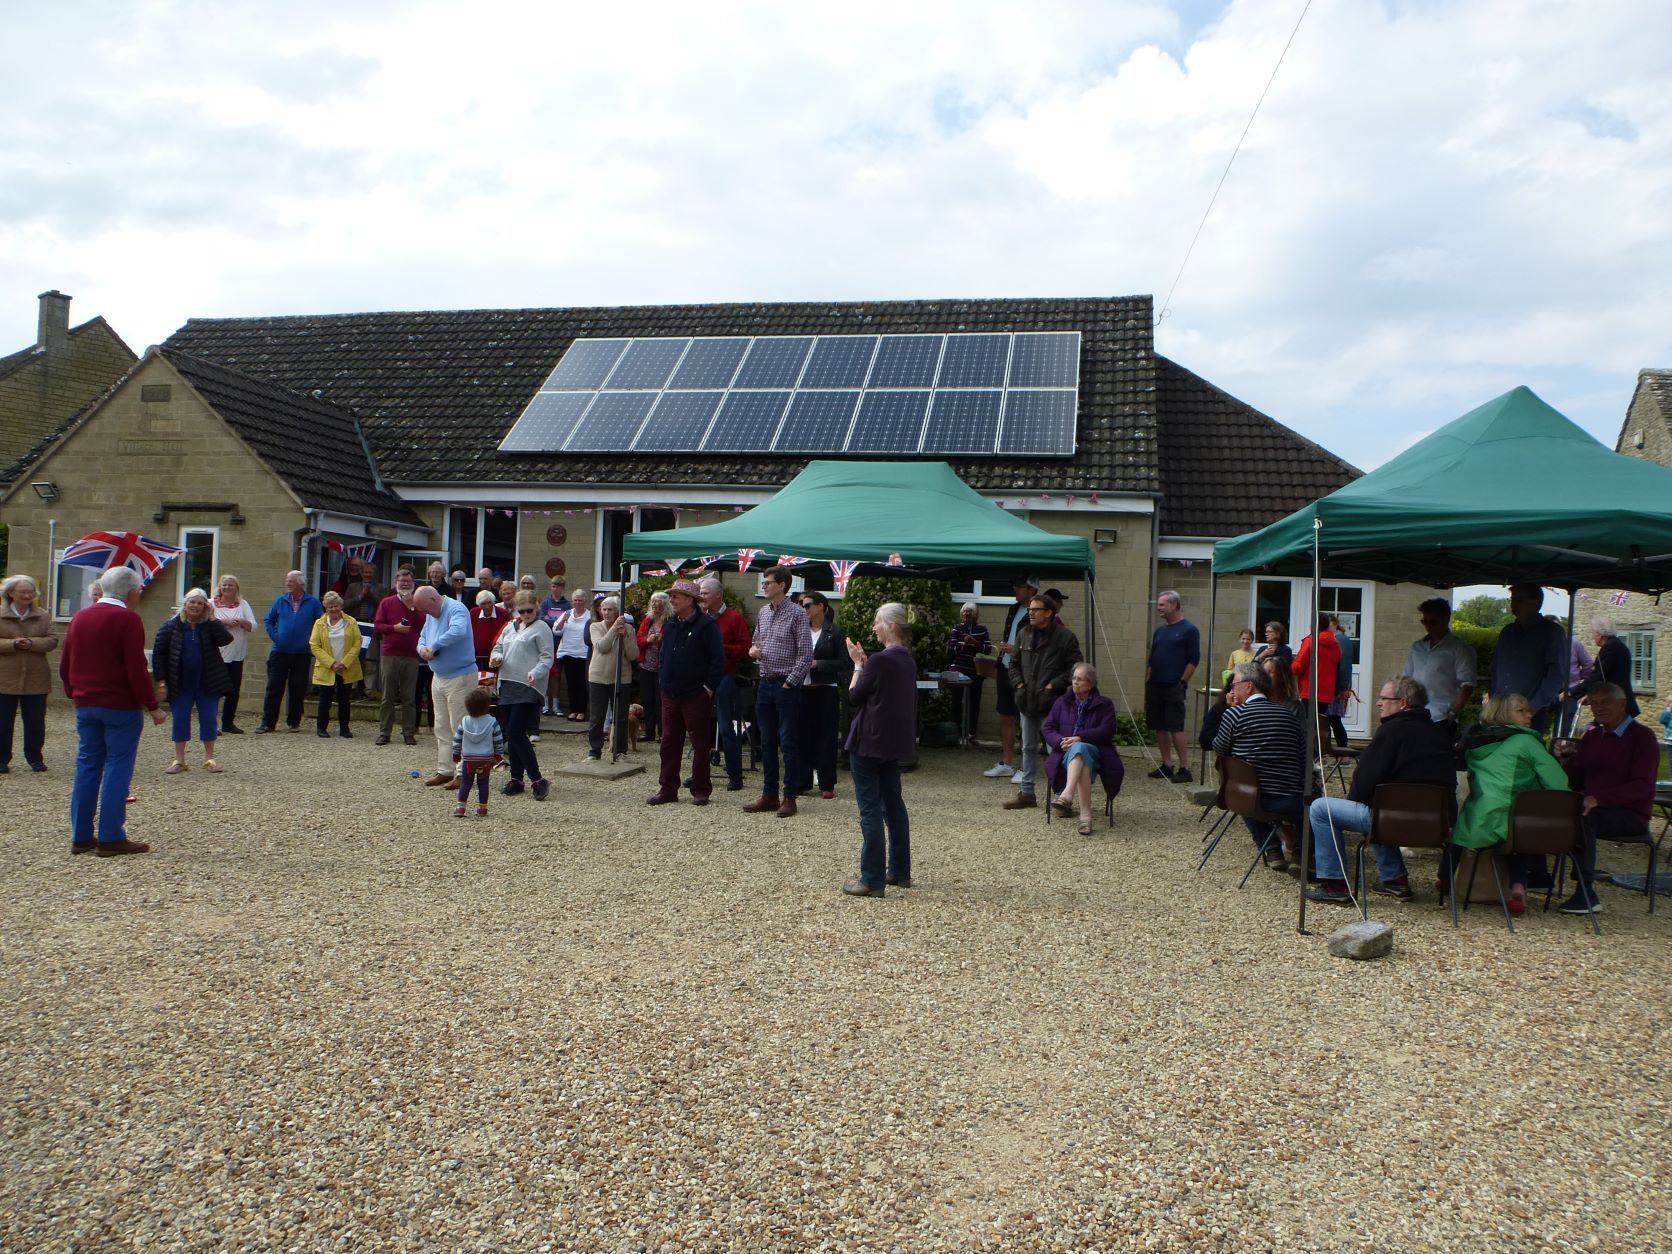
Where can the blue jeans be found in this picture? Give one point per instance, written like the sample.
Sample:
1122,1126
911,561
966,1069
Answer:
725,714
1334,816
208,717
1284,804
1032,734
876,787
778,712
1082,752
104,768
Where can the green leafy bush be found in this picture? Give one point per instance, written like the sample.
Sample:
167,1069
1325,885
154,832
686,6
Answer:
929,610
1484,641
1132,730
638,594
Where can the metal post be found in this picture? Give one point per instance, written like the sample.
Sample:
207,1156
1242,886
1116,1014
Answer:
1208,656
618,732
1311,722
1561,728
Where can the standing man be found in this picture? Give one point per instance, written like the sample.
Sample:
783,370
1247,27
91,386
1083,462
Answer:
361,595
783,647
1015,618
444,642
437,576
734,644
398,622
1443,663
1047,653
1175,652
693,663
289,626
1532,656
103,669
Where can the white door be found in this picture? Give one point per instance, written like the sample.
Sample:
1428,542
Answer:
1289,601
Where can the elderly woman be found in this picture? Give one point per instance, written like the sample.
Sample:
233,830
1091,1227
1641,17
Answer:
819,706
1504,756
1612,664
882,698
335,645
650,662
969,641
26,637
523,657
573,650
609,676
1080,733
186,660
487,620
233,613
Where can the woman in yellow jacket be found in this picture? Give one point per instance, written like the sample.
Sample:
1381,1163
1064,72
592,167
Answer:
336,648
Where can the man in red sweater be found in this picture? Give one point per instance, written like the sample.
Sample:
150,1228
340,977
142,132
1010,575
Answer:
1615,767
103,668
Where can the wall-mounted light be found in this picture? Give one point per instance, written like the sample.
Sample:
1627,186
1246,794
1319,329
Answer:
46,490
1104,535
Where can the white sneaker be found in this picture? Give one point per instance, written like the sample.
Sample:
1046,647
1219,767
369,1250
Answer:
534,738
1016,779
997,771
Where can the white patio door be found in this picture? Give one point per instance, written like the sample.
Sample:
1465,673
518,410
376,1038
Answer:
1289,601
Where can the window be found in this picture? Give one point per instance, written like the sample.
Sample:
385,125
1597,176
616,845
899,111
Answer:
1642,646
482,537
614,526
199,562
72,591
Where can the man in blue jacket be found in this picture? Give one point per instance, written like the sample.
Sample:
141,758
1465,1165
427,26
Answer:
692,663
446,646
290,665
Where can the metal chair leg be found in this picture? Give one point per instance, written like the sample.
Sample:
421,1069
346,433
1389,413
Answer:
1451,867
1475,868
1498,883
1259,853
1217,831
1363,897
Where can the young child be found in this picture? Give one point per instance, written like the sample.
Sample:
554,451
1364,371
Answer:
478,747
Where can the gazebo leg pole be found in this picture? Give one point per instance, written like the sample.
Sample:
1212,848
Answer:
1311,724
1208,670
1561,728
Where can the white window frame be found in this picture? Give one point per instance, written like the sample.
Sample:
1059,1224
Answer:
613,583
1357,719
475,562
58,569
1641,642
181,585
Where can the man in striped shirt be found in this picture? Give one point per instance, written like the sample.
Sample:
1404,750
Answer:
1267,736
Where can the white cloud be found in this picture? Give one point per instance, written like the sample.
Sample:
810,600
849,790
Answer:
1438,200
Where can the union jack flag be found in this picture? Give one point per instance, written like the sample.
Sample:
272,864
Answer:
106,550
843,572
703,563
363,551
790,559
656,572
746,558
1619,598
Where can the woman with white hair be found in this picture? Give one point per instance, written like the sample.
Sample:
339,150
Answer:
487,621
335,645
882,702
186,660
609,676
1612,664
233,613
969,641
650,661
26,637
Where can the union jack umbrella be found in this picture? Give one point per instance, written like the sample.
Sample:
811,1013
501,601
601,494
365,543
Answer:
843,572
106,550
746,558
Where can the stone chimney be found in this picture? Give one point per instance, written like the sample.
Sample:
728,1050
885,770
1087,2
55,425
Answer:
54,329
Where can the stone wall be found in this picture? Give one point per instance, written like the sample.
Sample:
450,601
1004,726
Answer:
42,394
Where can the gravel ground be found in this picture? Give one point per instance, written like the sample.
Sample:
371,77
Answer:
323,1014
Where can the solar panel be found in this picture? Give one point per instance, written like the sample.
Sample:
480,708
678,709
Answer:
1037,422
963,422
966,394
678,423
817,422
611,423
889,422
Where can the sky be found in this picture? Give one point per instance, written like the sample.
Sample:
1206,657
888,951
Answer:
1437,201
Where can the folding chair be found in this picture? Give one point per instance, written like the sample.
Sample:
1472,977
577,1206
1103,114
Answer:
1108,798
1417,816
1542,822
1239,788
1217,829
1337,760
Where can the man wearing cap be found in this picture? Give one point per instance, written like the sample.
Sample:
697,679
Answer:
783,646
1175,652
1015,619
692,665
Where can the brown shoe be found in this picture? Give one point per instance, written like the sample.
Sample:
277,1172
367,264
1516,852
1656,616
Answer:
83,846
382,739
660,799
411,740
896,881
857,889
1021,801
768,802
438,780
116,848
787,810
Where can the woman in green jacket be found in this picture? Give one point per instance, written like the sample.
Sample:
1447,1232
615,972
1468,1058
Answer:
1504,756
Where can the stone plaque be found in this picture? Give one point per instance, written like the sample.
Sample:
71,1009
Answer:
556,534
555,566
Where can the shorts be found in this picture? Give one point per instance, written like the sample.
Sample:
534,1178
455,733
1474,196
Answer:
1006,700
1164,707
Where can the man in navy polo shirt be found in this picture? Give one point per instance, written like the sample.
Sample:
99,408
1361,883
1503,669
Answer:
1175,652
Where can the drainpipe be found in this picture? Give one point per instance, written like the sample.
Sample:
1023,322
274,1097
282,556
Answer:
308,531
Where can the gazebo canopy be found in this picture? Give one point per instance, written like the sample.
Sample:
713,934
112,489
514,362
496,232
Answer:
1510,492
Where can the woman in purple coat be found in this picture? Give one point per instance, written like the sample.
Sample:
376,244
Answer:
1080,732
882,699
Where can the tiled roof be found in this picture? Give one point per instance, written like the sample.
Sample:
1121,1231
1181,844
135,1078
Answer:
1226,468
312,446
1654,391
437,392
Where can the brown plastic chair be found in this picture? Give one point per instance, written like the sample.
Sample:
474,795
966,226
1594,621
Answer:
1217,829
1337,759
1417,816
1545,821
1240,789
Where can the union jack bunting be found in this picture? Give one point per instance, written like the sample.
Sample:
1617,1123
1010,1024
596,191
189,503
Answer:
363,551
703,563
1619,598
894,559
106,550
746,557
656,572
790,559
843,572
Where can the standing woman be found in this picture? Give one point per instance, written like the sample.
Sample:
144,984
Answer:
26,637
1343,682
1613,663
650,662
186,659
573,648
233,613
1275,645
819,706
969,641
882,700
335,644
610,676
523,657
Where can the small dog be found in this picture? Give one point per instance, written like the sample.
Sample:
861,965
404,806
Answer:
635,726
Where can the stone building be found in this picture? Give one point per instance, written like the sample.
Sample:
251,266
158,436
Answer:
1640,620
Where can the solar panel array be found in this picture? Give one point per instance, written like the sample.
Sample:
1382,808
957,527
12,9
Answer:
994,394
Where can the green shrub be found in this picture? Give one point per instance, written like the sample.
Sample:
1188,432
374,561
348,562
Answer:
1132,730
1484,641
929,610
